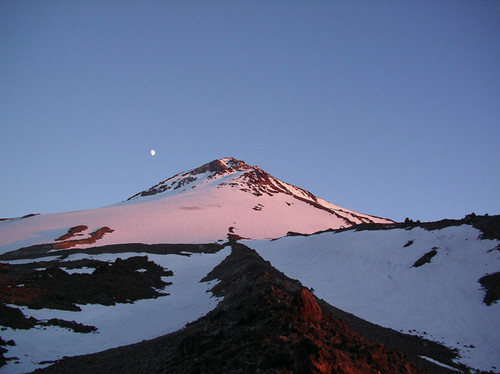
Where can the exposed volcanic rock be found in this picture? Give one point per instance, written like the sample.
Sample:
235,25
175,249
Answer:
15,319
71,325
94,237
184,181
266,323
489,225
73,231
16,218
221,166
491,284
109,283
30,215
13,289
3,344
426,258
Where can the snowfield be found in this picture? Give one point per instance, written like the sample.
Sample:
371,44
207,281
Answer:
120,324
370,274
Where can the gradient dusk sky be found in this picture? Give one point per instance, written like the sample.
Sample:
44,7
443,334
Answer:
388,108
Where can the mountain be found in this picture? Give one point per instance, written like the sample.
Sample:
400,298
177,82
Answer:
202,205
343,292
260,205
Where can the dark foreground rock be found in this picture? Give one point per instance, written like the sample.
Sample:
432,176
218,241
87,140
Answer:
47,285
266,323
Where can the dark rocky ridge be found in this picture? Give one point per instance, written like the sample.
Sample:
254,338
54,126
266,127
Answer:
266,323
488,225
49,250
18,218
219,167
72,232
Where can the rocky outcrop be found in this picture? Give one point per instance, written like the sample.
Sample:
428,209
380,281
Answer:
426,258
491,284
221,166
47,285
73,231
94,237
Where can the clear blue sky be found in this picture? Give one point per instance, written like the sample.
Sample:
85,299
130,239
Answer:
388,108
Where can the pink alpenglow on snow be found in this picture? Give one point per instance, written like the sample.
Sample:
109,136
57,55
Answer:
195,206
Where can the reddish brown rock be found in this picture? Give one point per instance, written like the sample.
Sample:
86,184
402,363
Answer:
72,232
309,309
94,236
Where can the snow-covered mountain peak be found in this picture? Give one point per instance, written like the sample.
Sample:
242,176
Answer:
236,173
224,197
227,171
222,166
201,175
240,183
231,162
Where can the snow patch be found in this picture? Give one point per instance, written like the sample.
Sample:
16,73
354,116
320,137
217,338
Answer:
82,270
440,363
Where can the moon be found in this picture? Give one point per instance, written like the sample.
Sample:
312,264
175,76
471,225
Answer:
153,152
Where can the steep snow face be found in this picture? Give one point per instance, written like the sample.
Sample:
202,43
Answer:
205,204
371,274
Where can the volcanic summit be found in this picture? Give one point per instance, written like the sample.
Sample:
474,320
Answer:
206,204
248,195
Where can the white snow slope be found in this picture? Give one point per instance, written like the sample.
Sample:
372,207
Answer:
198,206
370,274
